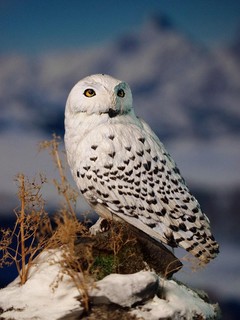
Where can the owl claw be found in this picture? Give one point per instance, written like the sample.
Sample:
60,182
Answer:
102,225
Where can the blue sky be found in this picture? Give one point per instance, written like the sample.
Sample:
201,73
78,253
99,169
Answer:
32,26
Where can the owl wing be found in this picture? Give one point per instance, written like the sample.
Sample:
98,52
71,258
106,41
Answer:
128,172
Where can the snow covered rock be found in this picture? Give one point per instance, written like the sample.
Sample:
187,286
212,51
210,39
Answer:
125,289
177,302
51,294
47,294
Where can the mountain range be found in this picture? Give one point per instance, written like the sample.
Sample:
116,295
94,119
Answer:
180,87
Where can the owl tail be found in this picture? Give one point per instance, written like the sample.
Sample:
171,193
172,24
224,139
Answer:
203,247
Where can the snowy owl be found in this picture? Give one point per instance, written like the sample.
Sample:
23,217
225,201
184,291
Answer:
124,171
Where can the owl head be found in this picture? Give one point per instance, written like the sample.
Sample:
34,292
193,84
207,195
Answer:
100,94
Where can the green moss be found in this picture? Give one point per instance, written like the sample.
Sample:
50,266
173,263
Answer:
103,265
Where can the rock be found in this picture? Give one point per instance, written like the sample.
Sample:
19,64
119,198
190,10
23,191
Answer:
157,256
125,290
135,250
177,302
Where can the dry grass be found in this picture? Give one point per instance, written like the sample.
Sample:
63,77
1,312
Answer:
30,218
68,194
69,228
33,231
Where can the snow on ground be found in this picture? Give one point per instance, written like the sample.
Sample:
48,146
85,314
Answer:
179,302
43,296
50,294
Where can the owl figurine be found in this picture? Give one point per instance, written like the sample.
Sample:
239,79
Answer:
124,171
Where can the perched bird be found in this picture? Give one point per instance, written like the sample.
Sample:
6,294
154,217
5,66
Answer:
124,171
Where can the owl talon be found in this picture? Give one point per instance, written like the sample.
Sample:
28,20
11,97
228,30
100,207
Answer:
102,225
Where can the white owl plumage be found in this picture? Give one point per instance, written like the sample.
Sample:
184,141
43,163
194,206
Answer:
123,170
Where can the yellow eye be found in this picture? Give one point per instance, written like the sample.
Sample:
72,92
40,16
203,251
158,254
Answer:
89,93
121,93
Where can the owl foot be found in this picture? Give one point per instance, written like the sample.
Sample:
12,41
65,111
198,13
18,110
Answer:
102,225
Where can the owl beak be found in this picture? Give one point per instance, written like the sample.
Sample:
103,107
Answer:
113,113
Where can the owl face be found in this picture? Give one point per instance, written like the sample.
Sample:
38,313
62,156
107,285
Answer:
100,94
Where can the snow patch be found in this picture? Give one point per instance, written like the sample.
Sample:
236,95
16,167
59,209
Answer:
134,288
179,302
50,294
43,296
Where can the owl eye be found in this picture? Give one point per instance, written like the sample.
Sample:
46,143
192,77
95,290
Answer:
121,93
89,93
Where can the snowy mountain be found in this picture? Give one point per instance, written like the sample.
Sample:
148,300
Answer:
179,87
